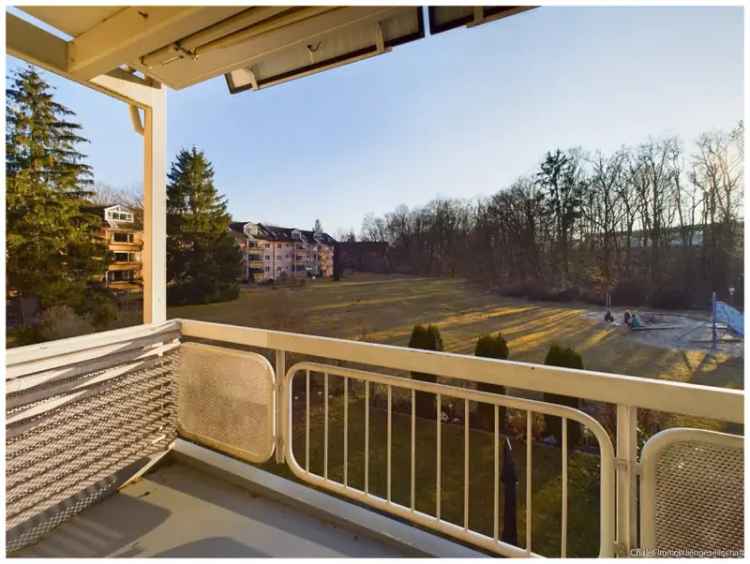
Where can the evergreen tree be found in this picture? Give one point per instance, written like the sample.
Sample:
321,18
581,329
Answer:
203,262
53,249
491,346
567,358
427,338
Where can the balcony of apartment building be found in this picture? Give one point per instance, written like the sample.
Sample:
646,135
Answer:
189,438
125,261
124,241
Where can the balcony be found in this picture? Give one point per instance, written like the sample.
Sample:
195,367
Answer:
144,441
125,265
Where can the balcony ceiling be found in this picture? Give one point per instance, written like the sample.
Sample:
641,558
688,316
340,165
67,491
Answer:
252,46
72,20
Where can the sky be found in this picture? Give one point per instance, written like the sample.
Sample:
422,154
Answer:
460,114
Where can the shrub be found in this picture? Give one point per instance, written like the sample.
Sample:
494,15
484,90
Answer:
427,338
194,293
539,292
566,358
568,294
491,346
61,322
629,293
670,298
513,291
22,336
99,307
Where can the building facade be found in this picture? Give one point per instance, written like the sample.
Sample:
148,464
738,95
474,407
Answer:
124,239
275,253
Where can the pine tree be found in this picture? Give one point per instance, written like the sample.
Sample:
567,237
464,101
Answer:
567,358
427,338
203,262
491,346
53,251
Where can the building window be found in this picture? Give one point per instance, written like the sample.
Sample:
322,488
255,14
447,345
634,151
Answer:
122,237
268,257
124,257
121,275
119,214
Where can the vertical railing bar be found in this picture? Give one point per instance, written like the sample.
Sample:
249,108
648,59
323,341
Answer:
307,421
438,461
466,463
388,470
496,507
346,431
325,426
413,451
564,518
528,482
367,436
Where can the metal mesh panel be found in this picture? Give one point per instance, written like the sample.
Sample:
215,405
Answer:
699,498
62,459
226,400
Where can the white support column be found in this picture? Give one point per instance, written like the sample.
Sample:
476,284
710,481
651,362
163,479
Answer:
155,209
627,469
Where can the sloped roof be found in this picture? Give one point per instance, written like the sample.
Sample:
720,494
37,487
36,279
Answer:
277,233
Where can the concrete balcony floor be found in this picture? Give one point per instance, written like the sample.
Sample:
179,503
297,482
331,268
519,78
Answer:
180,511
199,503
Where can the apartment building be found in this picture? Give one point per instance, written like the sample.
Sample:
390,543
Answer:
124,239
273,253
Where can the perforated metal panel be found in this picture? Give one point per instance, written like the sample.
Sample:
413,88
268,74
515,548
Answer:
68,437
226,401
692,493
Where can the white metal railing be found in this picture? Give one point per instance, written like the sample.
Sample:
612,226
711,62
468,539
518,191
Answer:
619,531
437,522
629,394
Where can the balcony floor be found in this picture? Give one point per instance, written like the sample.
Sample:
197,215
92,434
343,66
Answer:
178,510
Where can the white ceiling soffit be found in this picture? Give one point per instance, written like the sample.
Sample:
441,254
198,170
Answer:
443,18
261,46
75,20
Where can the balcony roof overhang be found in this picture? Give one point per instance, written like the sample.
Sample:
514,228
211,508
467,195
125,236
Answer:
252,46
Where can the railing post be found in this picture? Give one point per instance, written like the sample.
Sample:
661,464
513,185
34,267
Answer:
282,405
627,468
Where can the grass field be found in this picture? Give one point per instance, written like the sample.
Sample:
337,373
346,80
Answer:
383,309
583,470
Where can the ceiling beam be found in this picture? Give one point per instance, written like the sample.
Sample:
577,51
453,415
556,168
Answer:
186,72
136,31
34,45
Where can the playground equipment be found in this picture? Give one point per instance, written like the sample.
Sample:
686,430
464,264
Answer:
721,312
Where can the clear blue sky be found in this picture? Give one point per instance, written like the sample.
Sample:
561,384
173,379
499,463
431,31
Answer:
459,114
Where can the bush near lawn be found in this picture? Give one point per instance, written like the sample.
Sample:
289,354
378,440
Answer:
566,358
427,338
491,346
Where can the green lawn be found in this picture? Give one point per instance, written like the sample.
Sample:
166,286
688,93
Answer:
583,469
383,309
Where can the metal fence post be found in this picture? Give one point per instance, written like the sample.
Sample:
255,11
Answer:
282,400
627,489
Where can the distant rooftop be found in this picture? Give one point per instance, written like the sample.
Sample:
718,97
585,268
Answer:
277,233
